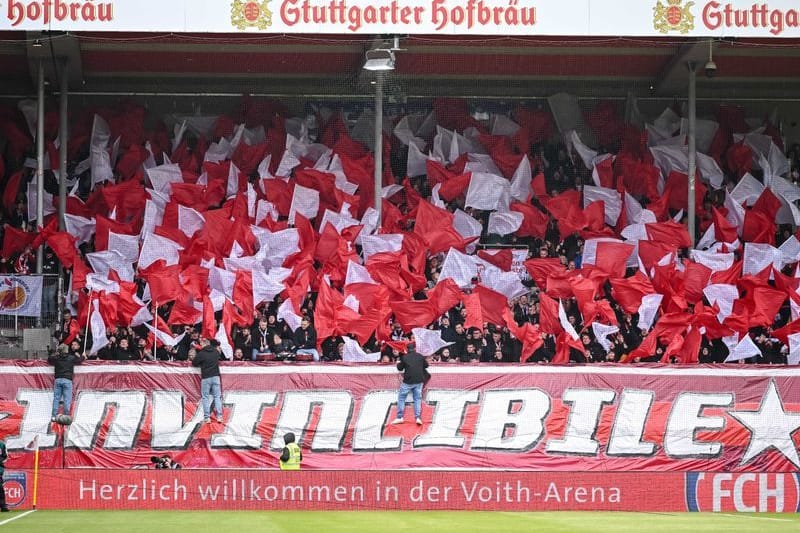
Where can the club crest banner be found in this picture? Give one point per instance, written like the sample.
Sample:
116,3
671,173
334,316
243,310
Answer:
21,295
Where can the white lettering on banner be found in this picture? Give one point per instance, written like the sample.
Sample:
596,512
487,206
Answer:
35,419
686,418
520,412
47,12
246,410
447,419
628,427
368,435
584,417
91,410
168,428
581,494
335,410
146,490
508,420
723,489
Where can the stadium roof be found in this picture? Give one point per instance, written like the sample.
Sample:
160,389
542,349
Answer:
455,66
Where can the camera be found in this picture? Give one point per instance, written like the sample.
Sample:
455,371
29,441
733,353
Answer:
711,69
164,463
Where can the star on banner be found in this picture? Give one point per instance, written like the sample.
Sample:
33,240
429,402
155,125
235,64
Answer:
770,427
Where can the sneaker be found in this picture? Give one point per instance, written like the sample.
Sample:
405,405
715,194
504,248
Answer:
397,421
219,419
419,421
4,510
206,420
53,420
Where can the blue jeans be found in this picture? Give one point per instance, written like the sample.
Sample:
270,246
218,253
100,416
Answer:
308,351
211,387
62,390
416,390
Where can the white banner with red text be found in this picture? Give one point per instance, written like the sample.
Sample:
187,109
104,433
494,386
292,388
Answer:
740,18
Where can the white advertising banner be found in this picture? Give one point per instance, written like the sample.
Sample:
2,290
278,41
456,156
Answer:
21,295
741,18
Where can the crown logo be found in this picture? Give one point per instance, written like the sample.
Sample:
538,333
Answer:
673,17
251,14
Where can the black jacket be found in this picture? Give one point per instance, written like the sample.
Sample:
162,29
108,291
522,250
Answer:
306,338
413,366
64,365
208,361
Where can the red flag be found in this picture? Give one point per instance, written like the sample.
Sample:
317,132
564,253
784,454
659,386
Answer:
528,334
535,222
164,283
758,227
628,292
15,240
548,315
502,259
768,204
695,279
444,296
670,233
540,268
414,313
612,256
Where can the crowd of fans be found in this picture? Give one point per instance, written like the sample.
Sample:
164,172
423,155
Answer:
270,338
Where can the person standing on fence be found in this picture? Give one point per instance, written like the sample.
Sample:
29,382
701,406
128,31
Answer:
64,370
413,366
292,455
207,359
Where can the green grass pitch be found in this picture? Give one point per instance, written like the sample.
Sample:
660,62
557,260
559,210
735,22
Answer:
387,522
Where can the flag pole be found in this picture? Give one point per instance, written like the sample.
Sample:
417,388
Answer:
155,326
88,317
36,471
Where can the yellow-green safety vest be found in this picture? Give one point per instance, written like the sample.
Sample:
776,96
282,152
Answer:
294,457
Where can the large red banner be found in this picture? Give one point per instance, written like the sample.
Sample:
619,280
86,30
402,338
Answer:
417,490
534,418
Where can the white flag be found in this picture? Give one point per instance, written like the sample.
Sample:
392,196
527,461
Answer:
601,333
488,192
224,343
744,350
505,223
428,341
521,180
97,328
612,201
723,295
562,317
304,201
287,314
162,176
357,274
79,227
164,337
794,349
190,221
354,353
758,256
156,247
648,309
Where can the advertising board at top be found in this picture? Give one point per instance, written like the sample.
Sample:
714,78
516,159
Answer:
712,18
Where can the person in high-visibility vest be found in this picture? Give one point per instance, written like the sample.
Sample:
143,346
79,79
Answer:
292,455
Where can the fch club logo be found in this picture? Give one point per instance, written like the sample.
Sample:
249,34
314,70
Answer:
746,492
15,486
